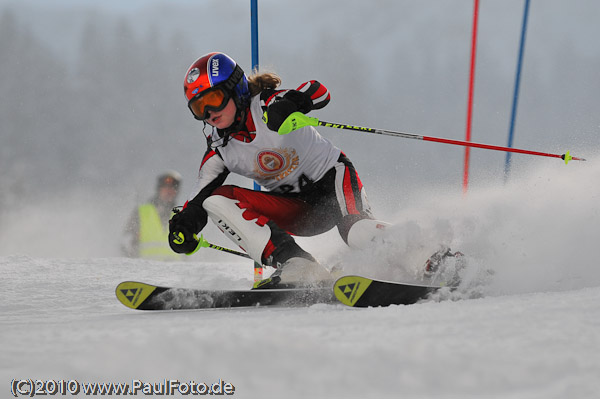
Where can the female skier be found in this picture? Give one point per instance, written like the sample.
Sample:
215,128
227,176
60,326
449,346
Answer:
312,186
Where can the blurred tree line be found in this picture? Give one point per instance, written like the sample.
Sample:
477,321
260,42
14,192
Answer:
103,122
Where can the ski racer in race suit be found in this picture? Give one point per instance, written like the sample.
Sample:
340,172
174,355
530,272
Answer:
312,185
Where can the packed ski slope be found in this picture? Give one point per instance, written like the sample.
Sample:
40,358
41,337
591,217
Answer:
524,324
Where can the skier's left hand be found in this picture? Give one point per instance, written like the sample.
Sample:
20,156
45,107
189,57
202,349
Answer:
292,101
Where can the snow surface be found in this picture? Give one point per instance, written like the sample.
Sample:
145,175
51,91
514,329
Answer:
524,324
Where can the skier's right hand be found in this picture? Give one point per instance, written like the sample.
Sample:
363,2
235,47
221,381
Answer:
183,241
183,227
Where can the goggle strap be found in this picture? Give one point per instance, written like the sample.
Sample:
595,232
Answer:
235,77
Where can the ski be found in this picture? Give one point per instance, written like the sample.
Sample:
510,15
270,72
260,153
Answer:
142,296
362,292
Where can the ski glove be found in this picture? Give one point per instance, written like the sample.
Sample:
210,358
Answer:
183,227
292,101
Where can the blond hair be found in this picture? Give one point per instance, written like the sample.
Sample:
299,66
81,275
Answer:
258,82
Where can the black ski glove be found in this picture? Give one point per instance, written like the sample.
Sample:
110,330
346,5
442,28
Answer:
183,226
291,102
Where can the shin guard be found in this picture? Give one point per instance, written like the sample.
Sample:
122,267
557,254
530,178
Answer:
246,229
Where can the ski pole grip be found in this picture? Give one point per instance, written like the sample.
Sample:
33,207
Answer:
296,120
197,247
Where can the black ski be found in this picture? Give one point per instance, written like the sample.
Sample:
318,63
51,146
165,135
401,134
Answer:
362,292
144,296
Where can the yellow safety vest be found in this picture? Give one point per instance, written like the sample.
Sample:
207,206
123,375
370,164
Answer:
153,236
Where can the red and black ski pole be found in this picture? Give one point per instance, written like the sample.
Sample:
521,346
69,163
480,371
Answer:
298,120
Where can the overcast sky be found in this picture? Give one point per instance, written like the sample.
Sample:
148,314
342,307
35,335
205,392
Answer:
117,5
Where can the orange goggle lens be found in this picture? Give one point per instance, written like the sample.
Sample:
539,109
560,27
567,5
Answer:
214,100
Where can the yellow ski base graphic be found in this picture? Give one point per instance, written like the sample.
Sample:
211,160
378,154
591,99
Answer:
132,294
349,289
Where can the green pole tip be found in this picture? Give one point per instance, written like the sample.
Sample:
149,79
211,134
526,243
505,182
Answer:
567,157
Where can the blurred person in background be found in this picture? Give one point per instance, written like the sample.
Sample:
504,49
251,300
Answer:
147,229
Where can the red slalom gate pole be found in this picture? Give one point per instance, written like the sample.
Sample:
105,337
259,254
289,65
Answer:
470,100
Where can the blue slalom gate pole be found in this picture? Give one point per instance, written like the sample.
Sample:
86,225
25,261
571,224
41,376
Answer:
254,42
254,32
258,269
516,91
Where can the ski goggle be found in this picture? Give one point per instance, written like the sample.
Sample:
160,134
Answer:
210,100
169,182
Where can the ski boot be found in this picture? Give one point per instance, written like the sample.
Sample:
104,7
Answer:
297,272
436,267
